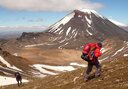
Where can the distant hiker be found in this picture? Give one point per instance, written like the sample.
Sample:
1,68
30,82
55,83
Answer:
18,78
90,53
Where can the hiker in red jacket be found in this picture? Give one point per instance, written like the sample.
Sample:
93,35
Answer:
90,53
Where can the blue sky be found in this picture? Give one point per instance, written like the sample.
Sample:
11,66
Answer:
47,12
115,9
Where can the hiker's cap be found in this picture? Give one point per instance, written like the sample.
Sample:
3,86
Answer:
99,44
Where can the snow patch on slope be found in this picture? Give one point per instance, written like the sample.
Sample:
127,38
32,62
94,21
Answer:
63,21
43,68
88,20
118,51
63,45
67,18
34,45
125,55
77,64
89,32
68,31
8,65
9,80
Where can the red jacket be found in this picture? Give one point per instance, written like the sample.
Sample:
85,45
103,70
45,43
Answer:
88,47
97,52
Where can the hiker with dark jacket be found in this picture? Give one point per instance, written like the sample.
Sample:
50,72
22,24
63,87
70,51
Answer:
18,78
90,53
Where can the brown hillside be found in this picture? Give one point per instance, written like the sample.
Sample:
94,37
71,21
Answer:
114,76
51,56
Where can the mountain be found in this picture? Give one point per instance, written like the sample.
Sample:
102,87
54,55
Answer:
114,76
90,23
73,31
61,44
82,26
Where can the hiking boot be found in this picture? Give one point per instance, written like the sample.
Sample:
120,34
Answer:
86,77
97,75
86,80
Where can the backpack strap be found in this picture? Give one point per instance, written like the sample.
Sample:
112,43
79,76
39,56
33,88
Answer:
91,53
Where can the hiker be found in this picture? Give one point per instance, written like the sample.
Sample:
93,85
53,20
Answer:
90,53
18,78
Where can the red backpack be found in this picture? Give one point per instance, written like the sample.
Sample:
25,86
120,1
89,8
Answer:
88,51
88,47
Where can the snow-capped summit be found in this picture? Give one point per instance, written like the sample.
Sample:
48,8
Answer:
92,11
85,23
87,10
83,13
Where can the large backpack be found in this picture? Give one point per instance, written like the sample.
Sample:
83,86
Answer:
88,52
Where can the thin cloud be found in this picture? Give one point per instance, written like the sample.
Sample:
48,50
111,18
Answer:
36,20
49,5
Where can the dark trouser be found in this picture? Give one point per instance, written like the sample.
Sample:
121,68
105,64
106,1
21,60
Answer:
19,80
89,69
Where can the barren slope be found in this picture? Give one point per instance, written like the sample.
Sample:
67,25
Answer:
114,76
51,56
